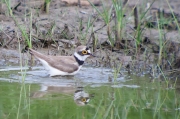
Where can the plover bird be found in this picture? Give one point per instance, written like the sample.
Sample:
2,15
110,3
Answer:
63,65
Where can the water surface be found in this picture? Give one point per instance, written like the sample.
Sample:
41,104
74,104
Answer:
31,94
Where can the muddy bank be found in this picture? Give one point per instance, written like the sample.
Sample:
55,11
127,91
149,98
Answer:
67,26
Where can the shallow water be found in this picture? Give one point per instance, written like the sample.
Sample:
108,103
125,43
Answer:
92,93
87,75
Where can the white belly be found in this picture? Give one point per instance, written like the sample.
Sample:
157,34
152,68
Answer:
53,71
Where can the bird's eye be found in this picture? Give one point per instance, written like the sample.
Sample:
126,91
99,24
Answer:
83,99
84,52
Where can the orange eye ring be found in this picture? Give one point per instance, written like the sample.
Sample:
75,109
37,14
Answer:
84,52
83,99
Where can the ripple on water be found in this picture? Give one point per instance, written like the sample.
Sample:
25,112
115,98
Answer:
87,75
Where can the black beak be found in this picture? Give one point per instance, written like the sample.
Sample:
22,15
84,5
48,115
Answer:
92,55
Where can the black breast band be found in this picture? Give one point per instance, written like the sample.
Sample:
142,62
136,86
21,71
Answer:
79,61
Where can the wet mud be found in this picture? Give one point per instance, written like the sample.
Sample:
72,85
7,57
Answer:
66,26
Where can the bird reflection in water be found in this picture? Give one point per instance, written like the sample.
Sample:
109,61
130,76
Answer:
81,97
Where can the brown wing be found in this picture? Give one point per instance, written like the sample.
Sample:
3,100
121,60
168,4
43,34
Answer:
63,63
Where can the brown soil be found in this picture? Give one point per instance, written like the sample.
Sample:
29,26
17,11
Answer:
65,27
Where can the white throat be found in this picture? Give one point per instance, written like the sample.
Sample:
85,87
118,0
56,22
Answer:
81,58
